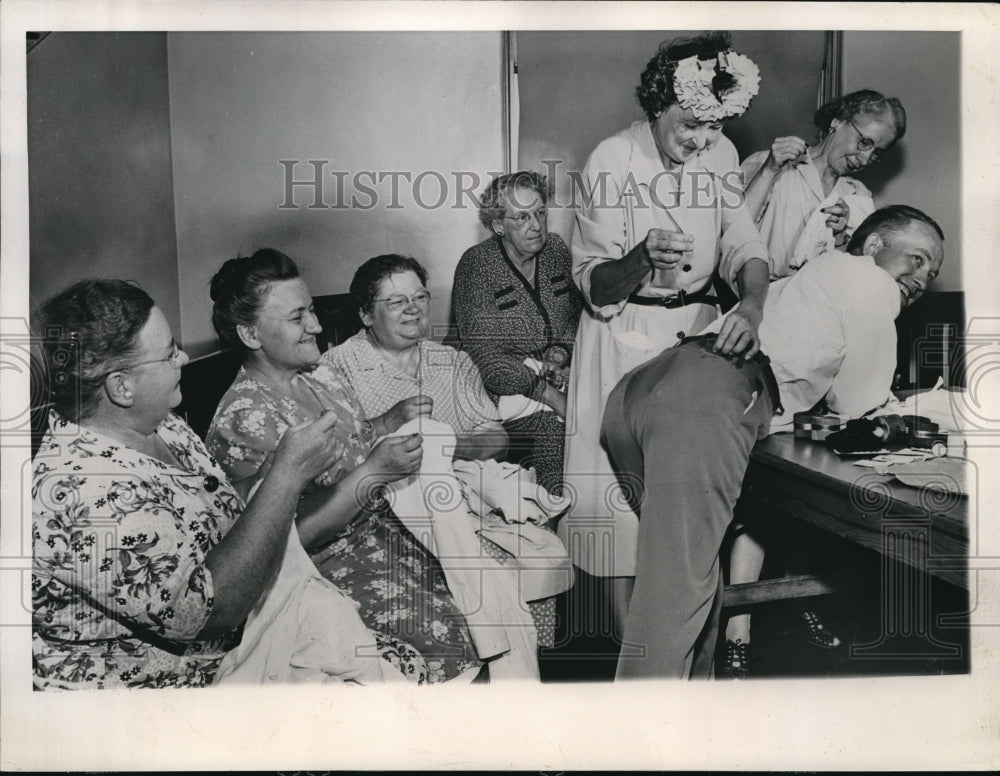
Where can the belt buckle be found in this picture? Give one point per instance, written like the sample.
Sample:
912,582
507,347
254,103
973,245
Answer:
680,299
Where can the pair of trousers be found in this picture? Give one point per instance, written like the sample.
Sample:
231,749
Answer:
679,430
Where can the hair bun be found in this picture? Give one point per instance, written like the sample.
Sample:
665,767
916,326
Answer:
223,277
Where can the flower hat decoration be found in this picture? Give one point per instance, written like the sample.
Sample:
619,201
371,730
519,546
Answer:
693,85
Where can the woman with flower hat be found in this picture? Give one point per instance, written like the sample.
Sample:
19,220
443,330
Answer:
662,210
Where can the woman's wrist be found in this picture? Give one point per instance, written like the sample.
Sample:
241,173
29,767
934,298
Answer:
368,478
552,395
283,477
614,280
771,167
373,428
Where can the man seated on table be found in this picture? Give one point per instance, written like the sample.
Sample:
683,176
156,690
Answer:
680,428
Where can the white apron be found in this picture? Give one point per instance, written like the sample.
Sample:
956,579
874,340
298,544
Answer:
600,531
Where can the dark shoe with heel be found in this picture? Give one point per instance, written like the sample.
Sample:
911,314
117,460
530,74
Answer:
815,633
737,660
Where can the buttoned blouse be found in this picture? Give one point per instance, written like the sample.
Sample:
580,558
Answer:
791,221
447,375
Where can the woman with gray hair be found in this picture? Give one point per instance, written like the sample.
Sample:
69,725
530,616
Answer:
146,561
804,198
517,310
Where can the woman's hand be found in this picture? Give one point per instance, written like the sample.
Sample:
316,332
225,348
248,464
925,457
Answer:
306,450
838,213
555,399
665,249
402,412
738,335
250,553
785,150
557,376
395,458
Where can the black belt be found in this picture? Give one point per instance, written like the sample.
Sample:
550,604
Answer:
706,341
682,298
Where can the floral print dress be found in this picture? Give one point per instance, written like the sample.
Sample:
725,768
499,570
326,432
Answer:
120,589
398,585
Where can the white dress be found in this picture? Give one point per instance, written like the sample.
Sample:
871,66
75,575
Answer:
631,194
791,220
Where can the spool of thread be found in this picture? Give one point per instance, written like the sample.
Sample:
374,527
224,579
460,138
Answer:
802,424
817,427
824,425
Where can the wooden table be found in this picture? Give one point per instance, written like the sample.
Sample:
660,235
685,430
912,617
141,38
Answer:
807,481
919,534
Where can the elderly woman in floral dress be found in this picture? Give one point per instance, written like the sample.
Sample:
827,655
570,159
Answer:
146,562
264,309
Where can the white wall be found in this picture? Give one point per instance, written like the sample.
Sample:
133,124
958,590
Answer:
101,199
922,69
384,102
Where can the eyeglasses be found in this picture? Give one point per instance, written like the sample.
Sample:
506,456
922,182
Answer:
174,359
522,219
401,302
865,143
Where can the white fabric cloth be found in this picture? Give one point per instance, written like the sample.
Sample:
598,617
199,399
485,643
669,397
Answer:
514,406
632,193
431,505
954,410
829,331
302,629
791,221
510,507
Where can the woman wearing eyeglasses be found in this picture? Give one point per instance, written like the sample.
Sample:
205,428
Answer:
517,310
264,309
146,560
806,202
804,198
392,359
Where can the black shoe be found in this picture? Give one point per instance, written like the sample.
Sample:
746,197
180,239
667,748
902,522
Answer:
737,661
815,633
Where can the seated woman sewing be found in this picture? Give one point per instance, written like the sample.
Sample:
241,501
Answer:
146,562
393,359
264,309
